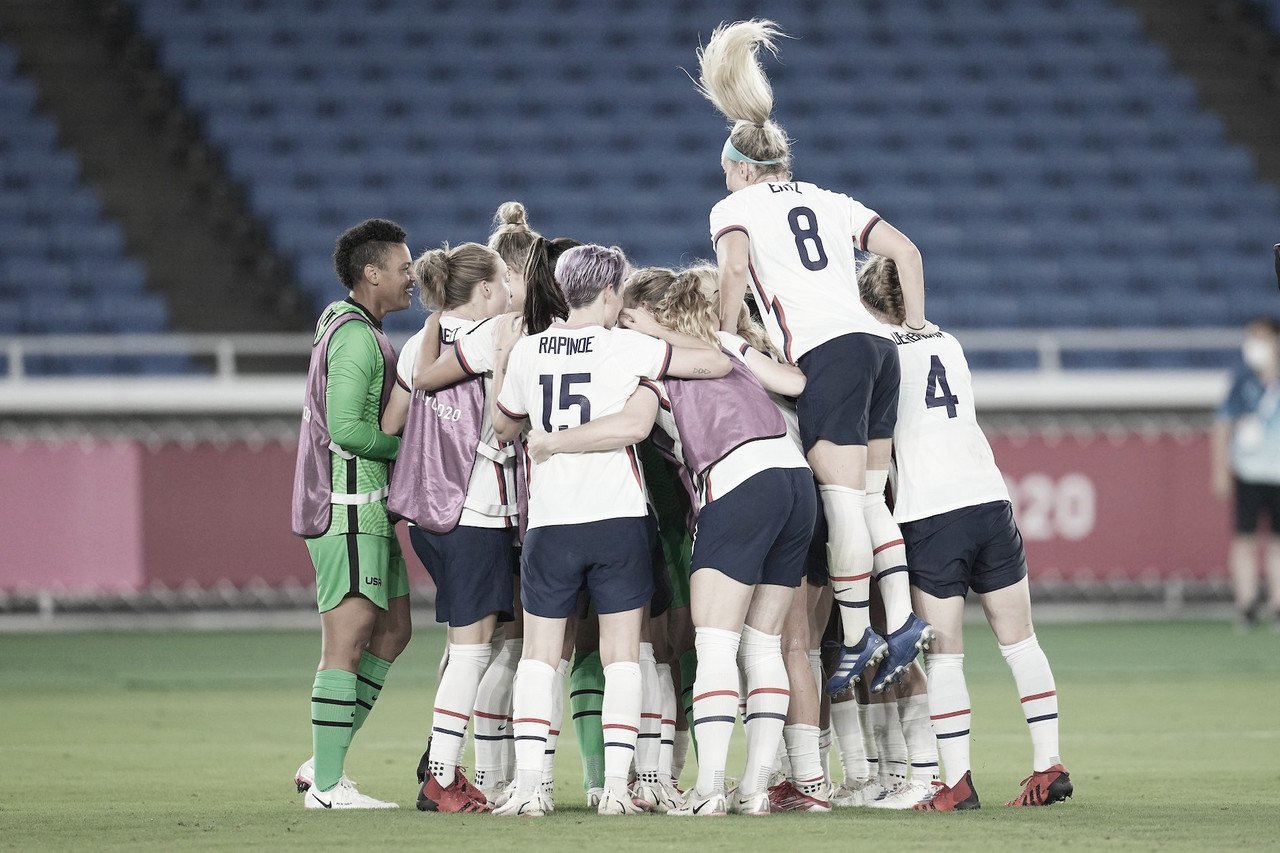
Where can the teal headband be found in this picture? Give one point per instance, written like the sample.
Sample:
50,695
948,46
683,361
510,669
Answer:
734,154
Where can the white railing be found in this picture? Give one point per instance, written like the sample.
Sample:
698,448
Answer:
228,389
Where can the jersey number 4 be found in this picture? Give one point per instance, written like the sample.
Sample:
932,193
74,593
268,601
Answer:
938,393
567,398
808,243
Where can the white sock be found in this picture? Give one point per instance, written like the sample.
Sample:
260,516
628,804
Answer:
557,723
1039,698
620,720
824,752
891,748
889,554
849,558
679,754
667,741
492,724
649,740
949,713
781,764
768,692
815,664
848,729
802,750
870,746
922,747
531,715
715,703
455,698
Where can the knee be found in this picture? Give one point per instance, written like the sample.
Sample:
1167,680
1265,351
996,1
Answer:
397,640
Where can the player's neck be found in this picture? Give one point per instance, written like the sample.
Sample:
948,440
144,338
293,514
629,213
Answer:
367,298
589,315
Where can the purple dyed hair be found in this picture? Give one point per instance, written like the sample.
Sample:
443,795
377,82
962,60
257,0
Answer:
584,271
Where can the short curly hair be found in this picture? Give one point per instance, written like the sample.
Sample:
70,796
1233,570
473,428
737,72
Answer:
366,243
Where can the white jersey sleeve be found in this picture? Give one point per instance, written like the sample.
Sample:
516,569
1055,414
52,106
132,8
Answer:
407,359
944,461
511,399
643,356
476,347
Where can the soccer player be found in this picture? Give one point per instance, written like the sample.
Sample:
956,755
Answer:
793,243
587,511
461,491
953,506
339,505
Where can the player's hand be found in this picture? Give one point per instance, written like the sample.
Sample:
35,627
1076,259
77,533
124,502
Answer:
540,445
509,330
929,329
640,320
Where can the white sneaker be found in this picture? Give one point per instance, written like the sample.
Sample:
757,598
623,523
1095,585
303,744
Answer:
343,796
904,795
306,776
612,804
548,791
701,805
522,805
751,804
494,791
594,795
660,798
500,797
856,792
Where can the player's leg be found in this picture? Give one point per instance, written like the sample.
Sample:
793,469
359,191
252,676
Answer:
392,631
660,637
586,696
921,746
492,726
653,777
949,708
1244,552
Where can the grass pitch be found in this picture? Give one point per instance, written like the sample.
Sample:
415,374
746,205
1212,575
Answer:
169,741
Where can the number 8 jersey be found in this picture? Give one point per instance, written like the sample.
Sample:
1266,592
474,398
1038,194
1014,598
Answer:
802,267
943,460
563,378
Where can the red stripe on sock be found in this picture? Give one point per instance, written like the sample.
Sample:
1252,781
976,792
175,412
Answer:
452,713
1036,696
711,693
554,733
620,726
887,545
651,716
852,578
952,714
667,722
517,721
779,690
486,716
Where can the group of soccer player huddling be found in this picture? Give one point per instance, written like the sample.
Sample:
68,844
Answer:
667,488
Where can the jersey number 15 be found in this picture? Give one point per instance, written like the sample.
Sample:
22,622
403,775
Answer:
567,397
937,394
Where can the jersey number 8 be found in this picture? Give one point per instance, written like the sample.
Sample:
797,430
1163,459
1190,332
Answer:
806,235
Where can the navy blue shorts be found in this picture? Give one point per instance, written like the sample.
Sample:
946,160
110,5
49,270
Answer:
661,580
1254,500
472,570
815,564
613,559
760,532
975,547
851,390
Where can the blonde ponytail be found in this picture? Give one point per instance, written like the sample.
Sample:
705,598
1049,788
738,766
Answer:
733,80
448,277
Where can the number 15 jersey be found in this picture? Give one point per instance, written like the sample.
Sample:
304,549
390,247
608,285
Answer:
943,460
565,377
802,267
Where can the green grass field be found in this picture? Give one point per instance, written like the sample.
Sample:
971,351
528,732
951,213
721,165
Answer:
177,740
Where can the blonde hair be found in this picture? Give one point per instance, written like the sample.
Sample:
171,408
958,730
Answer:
676,300
512,236
733,80
448,277
708,279
880,289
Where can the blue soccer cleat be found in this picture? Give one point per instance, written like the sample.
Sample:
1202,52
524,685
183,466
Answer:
854,660
913,637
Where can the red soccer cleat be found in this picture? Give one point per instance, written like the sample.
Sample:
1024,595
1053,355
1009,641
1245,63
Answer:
958,798
1045,787
454,799
786,797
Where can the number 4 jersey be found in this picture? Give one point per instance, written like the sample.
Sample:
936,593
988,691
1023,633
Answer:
802,268
563,378
943,460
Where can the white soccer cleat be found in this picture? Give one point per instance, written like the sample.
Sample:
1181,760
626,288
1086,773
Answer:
519,804
752,804
306,776
701,805
500,797
493,792
594,795
343,796
856,792
658,797
612,804
548,791
904,795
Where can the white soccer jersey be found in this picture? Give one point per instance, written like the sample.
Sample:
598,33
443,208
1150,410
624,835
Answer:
563,378
802,263
492,483
942,458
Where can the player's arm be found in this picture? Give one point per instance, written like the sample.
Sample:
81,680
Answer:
621,429
353,355
397,411
733,257
433,370
691,358
886,240
508,410
784,379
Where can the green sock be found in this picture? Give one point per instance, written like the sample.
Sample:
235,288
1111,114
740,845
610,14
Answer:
333,710
370,677
586,698
688,669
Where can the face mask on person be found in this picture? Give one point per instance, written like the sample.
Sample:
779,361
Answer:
1258,354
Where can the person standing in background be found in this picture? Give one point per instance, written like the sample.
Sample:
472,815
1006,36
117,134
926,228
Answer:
1246,458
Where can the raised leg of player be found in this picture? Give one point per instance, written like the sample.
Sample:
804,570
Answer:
890,565
492,726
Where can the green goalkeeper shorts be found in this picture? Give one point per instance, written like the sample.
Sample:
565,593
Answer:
358,564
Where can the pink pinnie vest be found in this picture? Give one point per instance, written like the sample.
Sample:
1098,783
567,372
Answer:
438,452
313,495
